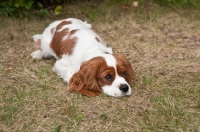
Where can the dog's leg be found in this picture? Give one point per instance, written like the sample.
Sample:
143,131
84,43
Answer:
62,69
37,54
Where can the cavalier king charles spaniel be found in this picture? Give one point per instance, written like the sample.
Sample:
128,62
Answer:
83,60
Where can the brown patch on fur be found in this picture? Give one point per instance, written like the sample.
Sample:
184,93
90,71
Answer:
68,44
89,82
106,53
72,32
61,46
52,30
37,44
123,65
98,40
63,23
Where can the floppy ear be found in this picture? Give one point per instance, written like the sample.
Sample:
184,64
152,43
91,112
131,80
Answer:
121,60
85,80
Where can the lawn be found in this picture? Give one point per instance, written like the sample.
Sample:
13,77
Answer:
163,46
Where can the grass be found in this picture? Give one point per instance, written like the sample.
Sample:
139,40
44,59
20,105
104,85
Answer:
162,46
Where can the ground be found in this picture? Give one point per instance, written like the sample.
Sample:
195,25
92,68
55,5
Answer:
163,46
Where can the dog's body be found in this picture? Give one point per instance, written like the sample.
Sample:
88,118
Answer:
83,60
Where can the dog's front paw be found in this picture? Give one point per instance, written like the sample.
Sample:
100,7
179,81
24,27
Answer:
37,54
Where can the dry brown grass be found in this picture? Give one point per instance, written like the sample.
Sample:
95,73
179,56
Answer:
163,47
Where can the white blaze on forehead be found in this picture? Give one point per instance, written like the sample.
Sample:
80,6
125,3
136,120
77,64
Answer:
110,60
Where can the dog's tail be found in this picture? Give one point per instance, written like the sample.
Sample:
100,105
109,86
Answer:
37,41
36,37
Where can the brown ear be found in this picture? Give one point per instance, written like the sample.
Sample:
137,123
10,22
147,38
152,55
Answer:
85,80
122,61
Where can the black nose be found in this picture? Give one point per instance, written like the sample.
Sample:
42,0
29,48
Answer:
123,88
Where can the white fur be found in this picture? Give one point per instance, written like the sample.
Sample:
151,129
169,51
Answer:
86,48
37,54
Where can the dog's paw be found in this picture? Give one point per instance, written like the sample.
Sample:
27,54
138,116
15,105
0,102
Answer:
37,54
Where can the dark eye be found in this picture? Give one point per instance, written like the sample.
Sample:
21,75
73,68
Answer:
124,74
108,77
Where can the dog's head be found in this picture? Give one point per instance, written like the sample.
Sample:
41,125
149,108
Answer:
109,74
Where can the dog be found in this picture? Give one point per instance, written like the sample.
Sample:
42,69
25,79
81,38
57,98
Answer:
83,60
